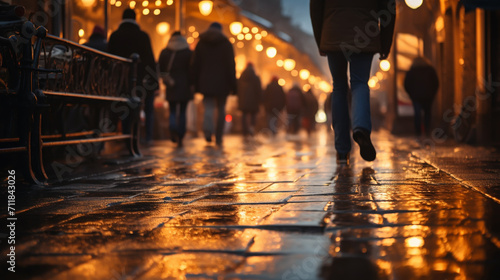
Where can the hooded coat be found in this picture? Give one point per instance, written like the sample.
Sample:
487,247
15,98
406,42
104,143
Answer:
421,81
129,39
180,69
214,69
352,26
249,91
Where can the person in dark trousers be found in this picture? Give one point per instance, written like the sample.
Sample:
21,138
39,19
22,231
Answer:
97,39
274,100
125,41
214,75
422,83
295,104
310,109
349,33
249,96
175,60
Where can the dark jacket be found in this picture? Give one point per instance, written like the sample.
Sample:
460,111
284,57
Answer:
213,65
129,39
421,81
249,91
97,41
295,101
311,107
351,26
274,98
180,69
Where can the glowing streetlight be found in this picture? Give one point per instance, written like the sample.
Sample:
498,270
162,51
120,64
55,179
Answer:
282,82
206,7
271,52
385,65
248,36
145,12
162,28
259,48
81,32
145,3
235,27
304,74
132,4
118,4
414,4
280,63
289,64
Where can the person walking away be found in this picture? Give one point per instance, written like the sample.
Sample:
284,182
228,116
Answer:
214,75
274,100
249,96
422,83
125,41
295,103
174,62
310,109
349,33
97,39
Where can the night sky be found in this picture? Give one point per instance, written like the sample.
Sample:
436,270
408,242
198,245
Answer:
298,10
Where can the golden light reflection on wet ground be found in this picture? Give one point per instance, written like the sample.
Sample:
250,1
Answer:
262,209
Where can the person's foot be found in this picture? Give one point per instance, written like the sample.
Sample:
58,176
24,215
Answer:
342,159
367,151
173,136
208,137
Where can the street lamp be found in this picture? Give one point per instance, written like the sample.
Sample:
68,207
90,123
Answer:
271,52
205,7
385,65
236,27
414,4
162,28
289,64
304,74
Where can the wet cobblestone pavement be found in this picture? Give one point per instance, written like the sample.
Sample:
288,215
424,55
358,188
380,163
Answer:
263,209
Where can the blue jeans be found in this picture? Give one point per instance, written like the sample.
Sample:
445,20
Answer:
178,118
359,70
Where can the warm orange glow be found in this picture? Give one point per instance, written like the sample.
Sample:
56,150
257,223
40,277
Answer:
255,30
145,12
271,52
245,29
196,34
263,33
112,2
385,65
118,3
414,4
190,40
289,64
229,118
145,3
240,45
282,82
81,32
206,7
157,12
259,48
248,36
158,3
325,86
191,28
162,28
306,87
258,36
170,2
240,36
280,63
294,73
132,4
88,3
304,74
235,27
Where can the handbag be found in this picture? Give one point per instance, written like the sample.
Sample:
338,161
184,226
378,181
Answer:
167,78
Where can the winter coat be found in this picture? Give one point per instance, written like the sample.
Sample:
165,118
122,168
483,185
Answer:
295,101
421,81
351,26
274,98
98,42
129,39
249,91
213,65
180,69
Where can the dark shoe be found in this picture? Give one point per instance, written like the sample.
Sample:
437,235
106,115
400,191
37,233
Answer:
366,148
342,159
173,136
208,137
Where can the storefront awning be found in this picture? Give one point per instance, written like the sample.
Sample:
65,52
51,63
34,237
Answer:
483,4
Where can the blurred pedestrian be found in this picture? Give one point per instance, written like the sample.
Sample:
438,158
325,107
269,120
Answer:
295,103
174,63
97,39
422,83
249,96
310,109
125,41
274,100
349,33
215,77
